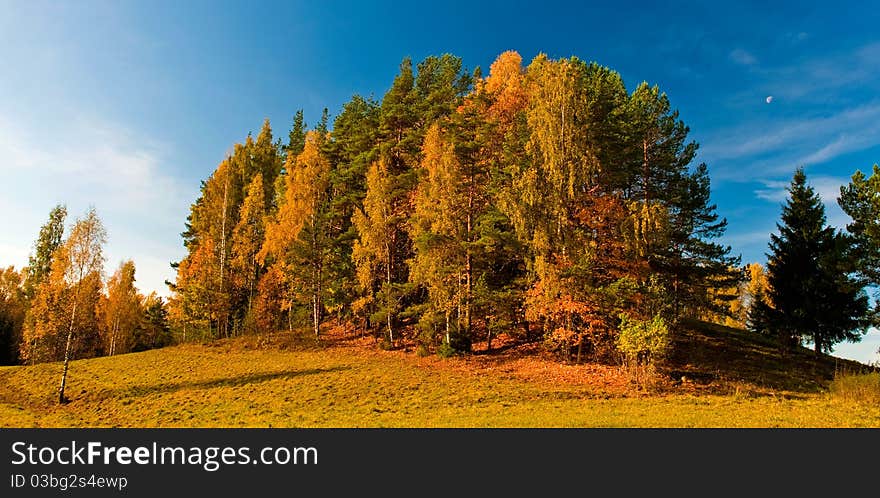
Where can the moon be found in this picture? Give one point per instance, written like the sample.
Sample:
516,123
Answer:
769,99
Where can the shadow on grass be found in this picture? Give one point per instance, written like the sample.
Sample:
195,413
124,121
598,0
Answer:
236,381
707,353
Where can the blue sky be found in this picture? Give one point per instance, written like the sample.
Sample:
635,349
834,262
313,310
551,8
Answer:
127,106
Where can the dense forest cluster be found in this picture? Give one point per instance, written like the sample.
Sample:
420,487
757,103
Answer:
541,202
60,305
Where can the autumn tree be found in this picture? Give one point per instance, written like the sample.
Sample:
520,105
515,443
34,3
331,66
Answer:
121,310
559,206
383,245
80,263
440,230
247,240
375,251
297,238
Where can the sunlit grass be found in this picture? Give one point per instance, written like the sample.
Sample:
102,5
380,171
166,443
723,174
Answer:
859,388
231,385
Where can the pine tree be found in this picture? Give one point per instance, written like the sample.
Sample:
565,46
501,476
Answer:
860,199
153,330
812,292
297,137
40,262
350,150
656,172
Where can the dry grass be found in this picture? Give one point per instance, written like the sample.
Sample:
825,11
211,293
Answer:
858,388
345,381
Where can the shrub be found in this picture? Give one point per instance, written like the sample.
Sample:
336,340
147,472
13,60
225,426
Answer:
458,344
461,343
643,341
385,344
444,350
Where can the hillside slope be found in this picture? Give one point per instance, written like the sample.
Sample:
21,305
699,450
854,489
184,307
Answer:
714,354
345,381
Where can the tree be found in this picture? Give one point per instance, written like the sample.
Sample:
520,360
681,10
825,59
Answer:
440,230
656,171
122,310
82,258
40,262
152,330
813,293
860,199
297,138
247,240
13,307
298,238
351,150
203,276
377,251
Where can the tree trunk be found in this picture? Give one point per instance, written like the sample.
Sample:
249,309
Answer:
224,329
645,171
315,322
580,349
290,316
61,398
388,294
468,269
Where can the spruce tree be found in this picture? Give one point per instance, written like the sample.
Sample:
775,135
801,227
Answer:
813,294
40,262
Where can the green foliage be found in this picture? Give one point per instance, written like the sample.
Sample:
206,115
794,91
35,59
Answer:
49,239
445,350
643,341
810,271
860,199
153,331
13,308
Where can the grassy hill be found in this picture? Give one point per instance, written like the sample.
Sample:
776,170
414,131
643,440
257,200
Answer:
716,377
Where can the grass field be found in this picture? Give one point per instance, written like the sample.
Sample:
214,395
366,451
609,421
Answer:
347,382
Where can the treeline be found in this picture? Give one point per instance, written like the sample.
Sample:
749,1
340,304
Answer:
544,201
60,307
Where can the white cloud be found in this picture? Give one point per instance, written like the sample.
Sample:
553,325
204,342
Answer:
102,164
828,188
841,132
742,57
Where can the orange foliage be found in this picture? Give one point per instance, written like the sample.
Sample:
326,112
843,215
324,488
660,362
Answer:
506,85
